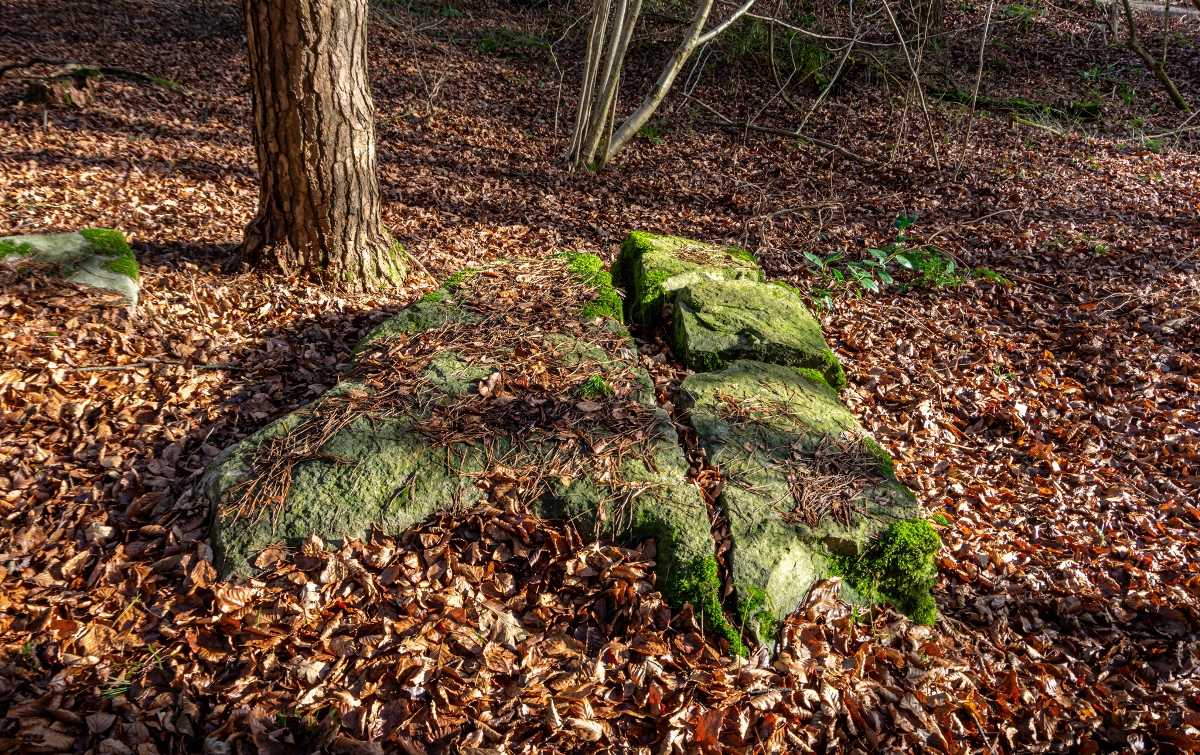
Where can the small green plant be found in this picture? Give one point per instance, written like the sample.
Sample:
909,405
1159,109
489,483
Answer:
507,40
936,269
869,273
1003,373
594,387
121,685
1024,14
756,606
653,131
991,276
30,656
933,268
828,273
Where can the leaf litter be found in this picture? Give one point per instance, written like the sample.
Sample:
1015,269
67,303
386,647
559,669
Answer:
1053,422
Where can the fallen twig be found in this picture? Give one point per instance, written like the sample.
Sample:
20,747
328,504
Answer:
87,68
137,365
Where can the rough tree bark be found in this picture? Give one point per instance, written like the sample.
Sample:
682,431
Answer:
314,132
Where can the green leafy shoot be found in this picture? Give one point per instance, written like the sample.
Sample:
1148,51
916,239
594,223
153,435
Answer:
595,387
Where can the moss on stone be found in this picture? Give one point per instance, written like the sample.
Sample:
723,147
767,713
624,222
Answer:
832,368
650,267
886,462
782,410
717,321
757,611
589,269
785,286
816,377
700,585
446,291
124,266
393,477
738,253
670,512
8,247
648,301
899,566
111,243
456,280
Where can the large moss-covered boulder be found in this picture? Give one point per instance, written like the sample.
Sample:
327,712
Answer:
718,321
808,494
511,384
651,268
97,257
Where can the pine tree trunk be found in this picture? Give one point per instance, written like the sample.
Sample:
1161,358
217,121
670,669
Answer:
314,132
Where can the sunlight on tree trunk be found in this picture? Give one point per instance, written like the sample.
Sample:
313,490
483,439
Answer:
314,134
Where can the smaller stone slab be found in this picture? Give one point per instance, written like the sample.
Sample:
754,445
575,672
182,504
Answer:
96,257
718,321
651,268
757,422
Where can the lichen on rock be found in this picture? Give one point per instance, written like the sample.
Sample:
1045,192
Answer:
763,426
717,321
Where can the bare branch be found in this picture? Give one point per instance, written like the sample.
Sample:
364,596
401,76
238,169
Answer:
716,30
975,94
917,84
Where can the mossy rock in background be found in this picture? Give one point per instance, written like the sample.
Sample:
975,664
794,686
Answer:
886,551
718,321
97,257
390,475
651,268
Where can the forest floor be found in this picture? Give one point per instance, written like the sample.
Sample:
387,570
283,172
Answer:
1054,419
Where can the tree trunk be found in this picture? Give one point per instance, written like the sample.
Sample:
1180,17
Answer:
314,133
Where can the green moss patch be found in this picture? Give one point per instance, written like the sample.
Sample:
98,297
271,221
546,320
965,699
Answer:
8,247
717,321
110,243
898,566
589,269
650,267
700,586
